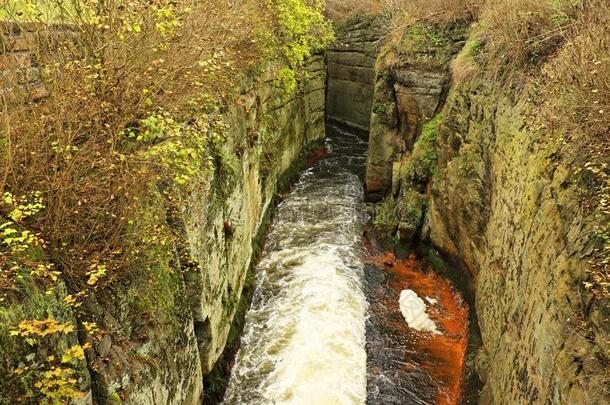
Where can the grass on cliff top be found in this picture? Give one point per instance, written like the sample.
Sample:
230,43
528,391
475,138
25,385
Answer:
342,10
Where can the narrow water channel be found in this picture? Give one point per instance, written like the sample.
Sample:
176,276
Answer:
325,325
304,337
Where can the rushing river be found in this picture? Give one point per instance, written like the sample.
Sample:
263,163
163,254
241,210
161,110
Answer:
305,333
329,318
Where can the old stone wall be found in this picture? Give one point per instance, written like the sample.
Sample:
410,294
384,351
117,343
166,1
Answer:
20,78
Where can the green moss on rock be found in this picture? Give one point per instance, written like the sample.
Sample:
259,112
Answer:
432,46
422,163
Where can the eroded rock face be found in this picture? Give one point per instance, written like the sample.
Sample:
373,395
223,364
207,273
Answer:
411,82
152,359
503,202
220,229
385,141
419,95
506,205
351,73
404,99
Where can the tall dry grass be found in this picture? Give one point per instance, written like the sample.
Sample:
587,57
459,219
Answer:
438,12
341,10
403,12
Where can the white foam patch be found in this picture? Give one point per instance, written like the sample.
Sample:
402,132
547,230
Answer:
413,309
324,361
305,334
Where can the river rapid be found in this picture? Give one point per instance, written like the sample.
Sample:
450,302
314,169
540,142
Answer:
305,333
326,325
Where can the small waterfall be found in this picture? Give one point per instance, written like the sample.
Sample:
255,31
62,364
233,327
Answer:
304,337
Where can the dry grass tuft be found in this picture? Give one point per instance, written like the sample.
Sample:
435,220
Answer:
578,77
466,65
341,10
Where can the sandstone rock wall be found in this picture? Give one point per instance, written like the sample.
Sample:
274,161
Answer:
505,204
221,230
403,101
411,82
163,360
351,72
502,202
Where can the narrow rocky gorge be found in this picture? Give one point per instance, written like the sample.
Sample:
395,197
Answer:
431,179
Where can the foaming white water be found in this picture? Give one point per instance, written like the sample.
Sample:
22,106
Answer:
304,338
413,309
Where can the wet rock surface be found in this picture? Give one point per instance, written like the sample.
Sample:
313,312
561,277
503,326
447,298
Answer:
406,366
391,378
351,73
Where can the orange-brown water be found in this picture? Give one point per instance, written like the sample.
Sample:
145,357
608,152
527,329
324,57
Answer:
441,356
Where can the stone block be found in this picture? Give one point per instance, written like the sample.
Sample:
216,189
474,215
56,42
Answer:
15,61
349,57
352,73
38,92
350,102
25,42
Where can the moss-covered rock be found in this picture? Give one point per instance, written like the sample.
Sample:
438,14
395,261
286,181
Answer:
504,204
503,196
412,78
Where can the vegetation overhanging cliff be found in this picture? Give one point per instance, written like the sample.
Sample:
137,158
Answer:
133,189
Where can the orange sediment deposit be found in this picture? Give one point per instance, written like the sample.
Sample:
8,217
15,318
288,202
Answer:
316,155
443,354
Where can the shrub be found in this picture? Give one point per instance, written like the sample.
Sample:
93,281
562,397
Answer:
409,209
302,29
136,95
136,92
